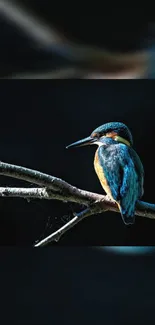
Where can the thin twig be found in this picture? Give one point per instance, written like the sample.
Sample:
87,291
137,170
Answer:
55,236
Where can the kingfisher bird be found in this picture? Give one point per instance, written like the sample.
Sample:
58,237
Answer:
117,166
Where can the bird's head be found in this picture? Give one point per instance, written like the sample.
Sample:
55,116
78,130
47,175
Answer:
115,131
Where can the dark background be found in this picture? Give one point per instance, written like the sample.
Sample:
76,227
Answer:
38,120
76,286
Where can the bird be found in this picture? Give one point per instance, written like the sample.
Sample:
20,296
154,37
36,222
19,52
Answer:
118,166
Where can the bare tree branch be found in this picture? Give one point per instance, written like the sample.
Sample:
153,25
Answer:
72,193
48,194
57,189
26,193
32,176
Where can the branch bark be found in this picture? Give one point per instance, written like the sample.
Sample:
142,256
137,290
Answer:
57,189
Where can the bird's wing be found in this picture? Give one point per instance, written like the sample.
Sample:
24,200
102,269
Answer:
132,183
133,172
139,169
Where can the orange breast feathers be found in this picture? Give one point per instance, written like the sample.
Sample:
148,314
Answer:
100,174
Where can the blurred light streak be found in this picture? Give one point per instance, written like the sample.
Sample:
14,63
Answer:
53,42
54,74
30,24
50,41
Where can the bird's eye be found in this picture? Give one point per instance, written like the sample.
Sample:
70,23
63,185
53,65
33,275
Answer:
95,135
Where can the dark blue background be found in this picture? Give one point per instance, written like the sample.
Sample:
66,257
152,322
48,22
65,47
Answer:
76,286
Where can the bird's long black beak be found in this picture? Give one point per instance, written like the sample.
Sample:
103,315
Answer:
83,142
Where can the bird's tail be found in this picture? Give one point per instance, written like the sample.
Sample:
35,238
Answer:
128,215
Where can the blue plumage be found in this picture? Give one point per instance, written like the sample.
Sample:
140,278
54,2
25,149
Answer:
117,165
123,171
